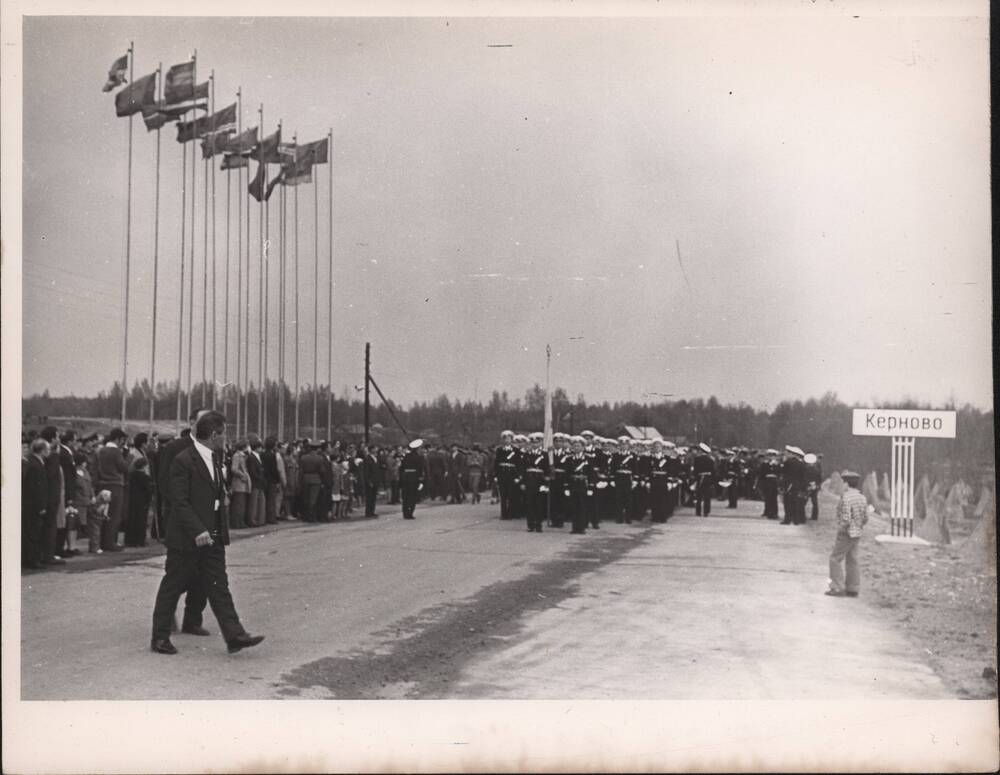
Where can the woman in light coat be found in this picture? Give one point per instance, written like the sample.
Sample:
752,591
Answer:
239,486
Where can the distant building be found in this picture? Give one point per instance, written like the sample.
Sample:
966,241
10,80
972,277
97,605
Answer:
637,432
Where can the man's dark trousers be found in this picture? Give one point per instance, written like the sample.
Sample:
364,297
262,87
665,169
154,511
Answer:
184,569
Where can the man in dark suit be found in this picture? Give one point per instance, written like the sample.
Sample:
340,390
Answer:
197,534
196,598
258,485
34,505
373,478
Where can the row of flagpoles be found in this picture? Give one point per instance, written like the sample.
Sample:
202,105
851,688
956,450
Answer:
163,98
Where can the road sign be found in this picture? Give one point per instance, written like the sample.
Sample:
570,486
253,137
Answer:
904,426
912,423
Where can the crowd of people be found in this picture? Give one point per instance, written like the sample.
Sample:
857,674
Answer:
109,490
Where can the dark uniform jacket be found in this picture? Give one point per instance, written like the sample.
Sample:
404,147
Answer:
255,468
411,468
193,494
311,468
506,464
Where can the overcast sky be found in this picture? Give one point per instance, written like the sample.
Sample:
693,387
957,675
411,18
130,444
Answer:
826,180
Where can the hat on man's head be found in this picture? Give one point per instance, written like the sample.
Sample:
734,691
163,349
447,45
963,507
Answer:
536,436
587,434
704,447
850,475
794,450
416,444
810,458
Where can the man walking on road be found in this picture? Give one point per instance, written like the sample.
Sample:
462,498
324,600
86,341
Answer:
852,514
197,534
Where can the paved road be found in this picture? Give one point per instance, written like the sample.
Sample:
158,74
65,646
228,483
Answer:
458,604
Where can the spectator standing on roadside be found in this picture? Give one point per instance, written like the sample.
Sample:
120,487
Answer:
239,483
392,475
258,484
272,480
852,515
140,494
34,506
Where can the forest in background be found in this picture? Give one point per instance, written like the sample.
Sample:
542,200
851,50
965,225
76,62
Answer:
817,424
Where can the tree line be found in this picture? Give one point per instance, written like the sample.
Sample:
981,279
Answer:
817,424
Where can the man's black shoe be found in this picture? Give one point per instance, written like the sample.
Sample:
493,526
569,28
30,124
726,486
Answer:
244,641
195,630
851,594
163,646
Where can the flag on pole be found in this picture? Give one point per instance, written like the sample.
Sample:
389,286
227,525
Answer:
116,75
548,400
191,130
178,84
213,142
223,119
232,161
243,143
133,97
317,151
267,149
257,188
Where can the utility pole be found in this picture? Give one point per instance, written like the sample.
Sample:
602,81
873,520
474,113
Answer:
368,381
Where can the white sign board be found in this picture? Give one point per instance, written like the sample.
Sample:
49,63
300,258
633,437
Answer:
904,422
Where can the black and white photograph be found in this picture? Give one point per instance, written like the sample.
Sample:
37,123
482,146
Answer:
618,377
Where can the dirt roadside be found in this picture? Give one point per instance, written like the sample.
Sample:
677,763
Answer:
939,597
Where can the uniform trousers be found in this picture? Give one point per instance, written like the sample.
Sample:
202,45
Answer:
769,488
578,504
187,570
703,496
658,499
623,498
409,492
506,492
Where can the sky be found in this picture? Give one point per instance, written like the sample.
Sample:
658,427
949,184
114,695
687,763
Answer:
758,207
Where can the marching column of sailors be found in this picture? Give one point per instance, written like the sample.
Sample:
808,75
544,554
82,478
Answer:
586,479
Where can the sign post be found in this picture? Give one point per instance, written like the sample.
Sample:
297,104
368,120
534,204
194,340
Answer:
904,426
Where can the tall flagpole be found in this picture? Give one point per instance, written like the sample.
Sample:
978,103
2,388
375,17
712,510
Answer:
329,325
260,296
128,240
180,325
204,265
315,300
246,312
267,287
156,260
194,191
298,389
281,313
239,265
215,314
225,317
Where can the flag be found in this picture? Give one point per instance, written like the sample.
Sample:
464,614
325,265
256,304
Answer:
256,185
270,186
318,151
267,149
153,118
223,119
159,113
133,97
116,75
213,142
242,143
190,130
232,161
287,149
292,175
257,188
178,85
